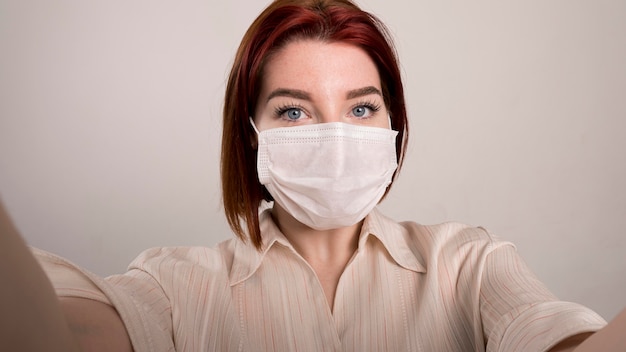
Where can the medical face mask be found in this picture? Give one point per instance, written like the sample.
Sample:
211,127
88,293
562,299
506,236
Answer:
327,175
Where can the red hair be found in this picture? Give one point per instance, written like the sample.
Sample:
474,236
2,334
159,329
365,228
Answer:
281,22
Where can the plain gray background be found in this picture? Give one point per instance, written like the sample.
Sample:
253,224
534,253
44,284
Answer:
110,122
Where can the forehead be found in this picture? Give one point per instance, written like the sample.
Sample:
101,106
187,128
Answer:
314,64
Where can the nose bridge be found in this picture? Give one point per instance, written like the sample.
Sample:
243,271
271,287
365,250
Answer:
329,110
330,117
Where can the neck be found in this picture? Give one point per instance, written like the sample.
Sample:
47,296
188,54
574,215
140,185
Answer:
327,252
332,247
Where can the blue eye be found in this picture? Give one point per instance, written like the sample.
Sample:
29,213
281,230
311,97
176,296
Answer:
365,110
360,111
293,114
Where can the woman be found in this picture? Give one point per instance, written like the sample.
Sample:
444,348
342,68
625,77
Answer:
315,124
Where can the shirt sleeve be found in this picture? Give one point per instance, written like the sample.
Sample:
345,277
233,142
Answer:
137,297
519,313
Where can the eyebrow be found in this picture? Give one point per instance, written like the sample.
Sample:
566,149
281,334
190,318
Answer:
291,93
300,94
356,93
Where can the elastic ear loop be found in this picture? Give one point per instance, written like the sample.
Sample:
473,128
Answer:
256,130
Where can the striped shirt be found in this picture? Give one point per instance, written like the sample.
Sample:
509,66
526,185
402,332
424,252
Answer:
408,287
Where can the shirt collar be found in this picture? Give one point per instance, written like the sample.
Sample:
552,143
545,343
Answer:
247,258
393,236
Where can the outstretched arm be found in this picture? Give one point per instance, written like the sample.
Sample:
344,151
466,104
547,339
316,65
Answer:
33,318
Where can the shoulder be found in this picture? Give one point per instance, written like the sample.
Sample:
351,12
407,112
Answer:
449,234
456,242
164,262
445,236
448,241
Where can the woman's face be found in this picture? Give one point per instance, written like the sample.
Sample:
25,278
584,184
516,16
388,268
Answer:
310,81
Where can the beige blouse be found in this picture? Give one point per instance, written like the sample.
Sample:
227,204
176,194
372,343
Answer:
408,287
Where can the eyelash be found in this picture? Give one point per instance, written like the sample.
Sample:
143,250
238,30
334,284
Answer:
373,106
280,110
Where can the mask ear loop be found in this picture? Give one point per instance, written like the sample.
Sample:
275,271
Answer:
254,140
389,119
254,126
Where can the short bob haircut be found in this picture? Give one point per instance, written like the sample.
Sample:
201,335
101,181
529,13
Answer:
282,22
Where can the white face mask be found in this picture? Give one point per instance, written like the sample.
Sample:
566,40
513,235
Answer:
327,175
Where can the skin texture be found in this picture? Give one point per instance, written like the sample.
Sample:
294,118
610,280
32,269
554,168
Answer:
95,325
326,73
